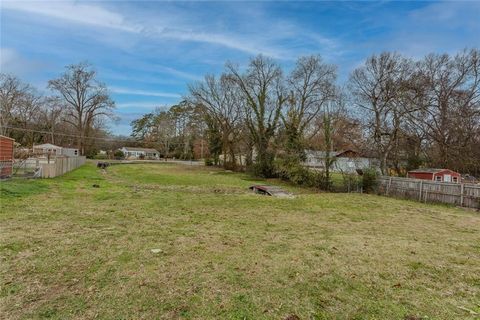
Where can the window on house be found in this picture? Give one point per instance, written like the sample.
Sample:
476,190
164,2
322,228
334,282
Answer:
75,152
455,179
438,178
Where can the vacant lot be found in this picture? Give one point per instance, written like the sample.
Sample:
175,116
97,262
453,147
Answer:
71,250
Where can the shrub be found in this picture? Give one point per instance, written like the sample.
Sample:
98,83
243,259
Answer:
323,182
208,162
100,157
293,171
118,154
369,180
263,167
91,153
351,182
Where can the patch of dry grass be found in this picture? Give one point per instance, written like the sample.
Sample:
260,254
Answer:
72,251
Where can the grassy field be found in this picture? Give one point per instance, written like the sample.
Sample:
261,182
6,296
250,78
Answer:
69,250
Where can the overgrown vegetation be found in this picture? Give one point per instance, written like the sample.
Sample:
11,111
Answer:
369,180
69,250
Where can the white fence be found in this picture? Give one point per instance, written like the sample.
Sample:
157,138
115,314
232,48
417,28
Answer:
61,166
460,194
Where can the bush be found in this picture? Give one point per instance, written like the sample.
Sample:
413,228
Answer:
351,182
264,167
100,157
91,153
208,162
295,172
369,180
323,182
118,154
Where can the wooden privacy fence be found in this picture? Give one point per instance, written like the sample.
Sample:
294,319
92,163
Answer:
460,194
61,166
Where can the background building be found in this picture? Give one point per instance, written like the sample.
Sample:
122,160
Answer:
440,175
140,153
51,149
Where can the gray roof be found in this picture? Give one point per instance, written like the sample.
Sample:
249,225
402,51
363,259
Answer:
428,170
323,154
46,145
140,149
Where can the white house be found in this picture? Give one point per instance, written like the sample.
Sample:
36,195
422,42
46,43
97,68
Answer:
140,153
51,149
347,161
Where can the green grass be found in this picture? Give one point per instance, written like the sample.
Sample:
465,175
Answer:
21,188
72,251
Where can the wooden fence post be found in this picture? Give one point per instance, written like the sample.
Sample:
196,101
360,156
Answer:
465,195
388,186
462,190
421,188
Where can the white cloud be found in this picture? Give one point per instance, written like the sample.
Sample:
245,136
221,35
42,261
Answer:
438,27
449,14
226,40
113,75
95,15
144,92
164,27
150,105
12,62
175,72
72,11
7,57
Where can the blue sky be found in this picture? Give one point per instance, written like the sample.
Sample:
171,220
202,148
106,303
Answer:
148,52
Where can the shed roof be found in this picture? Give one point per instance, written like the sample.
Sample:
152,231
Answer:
429,170
140,149
46,145
5,137
323,154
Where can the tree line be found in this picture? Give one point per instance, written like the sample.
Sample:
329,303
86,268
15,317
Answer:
260,117
76,110
406,113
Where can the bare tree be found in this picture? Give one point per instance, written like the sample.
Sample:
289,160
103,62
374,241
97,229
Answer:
450,105
380,88
224,106
27,115
262,88
87,100
311,85
12,96
52,115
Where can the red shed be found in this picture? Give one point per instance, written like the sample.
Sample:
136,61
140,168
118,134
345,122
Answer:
6,156
440,175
